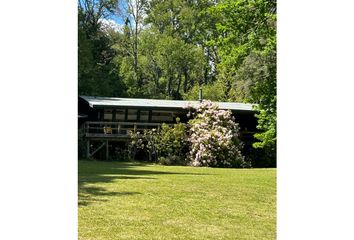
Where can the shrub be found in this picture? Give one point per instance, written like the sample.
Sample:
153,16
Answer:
135,144
263,157
167,145
173,144
214,138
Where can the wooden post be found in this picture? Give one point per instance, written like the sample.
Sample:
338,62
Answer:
138,115
126,115
113,119
114,115
134,127
118,128
107,150
150,115
88,148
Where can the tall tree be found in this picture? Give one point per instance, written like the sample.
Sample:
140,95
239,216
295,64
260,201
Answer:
184,20
247,49
133,13
97,73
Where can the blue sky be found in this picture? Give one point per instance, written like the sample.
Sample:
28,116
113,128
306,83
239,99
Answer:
122,5
117,19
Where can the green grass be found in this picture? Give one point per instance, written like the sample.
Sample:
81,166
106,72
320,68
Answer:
138,201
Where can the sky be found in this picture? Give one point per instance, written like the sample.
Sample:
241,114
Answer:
119,20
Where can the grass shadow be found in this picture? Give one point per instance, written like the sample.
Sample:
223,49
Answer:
88,195
92,172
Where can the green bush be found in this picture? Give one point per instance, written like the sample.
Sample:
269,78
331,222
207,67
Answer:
263,157
167,145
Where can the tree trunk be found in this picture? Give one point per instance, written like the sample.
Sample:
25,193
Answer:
136,59
169,85
205,75
186,80
139,82
179,82
157,81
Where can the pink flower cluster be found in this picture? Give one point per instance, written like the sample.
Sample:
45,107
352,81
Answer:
213,137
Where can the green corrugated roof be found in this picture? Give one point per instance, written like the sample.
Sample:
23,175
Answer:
101,102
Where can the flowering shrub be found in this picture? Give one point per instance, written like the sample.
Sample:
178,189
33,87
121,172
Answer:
146,142
172,144
167,145
214,138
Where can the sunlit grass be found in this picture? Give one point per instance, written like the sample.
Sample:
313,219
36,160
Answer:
137,201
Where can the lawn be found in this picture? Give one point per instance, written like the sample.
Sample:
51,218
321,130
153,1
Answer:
140,201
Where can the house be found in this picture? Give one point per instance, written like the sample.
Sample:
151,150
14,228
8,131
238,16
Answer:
106,119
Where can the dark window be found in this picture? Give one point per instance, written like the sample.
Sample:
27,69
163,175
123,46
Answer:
161,116
120,114
144,116
107,115
132,114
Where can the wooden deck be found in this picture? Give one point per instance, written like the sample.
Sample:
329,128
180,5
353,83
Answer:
116,130
106,132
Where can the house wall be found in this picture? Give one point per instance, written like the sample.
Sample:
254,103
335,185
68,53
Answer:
139,115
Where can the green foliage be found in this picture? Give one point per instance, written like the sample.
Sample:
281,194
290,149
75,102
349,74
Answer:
264,93
97,72
243,27
173,144
247,50
171,56
263,157
256,83
167,145
167,66
214,91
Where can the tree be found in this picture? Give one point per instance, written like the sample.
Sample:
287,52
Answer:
97,73
247,48
189,22
213,91
264,93
242,27
179,60
133,13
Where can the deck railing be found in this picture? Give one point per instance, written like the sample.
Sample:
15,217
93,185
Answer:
111,129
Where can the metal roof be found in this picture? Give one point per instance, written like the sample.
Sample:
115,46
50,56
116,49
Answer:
102,102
